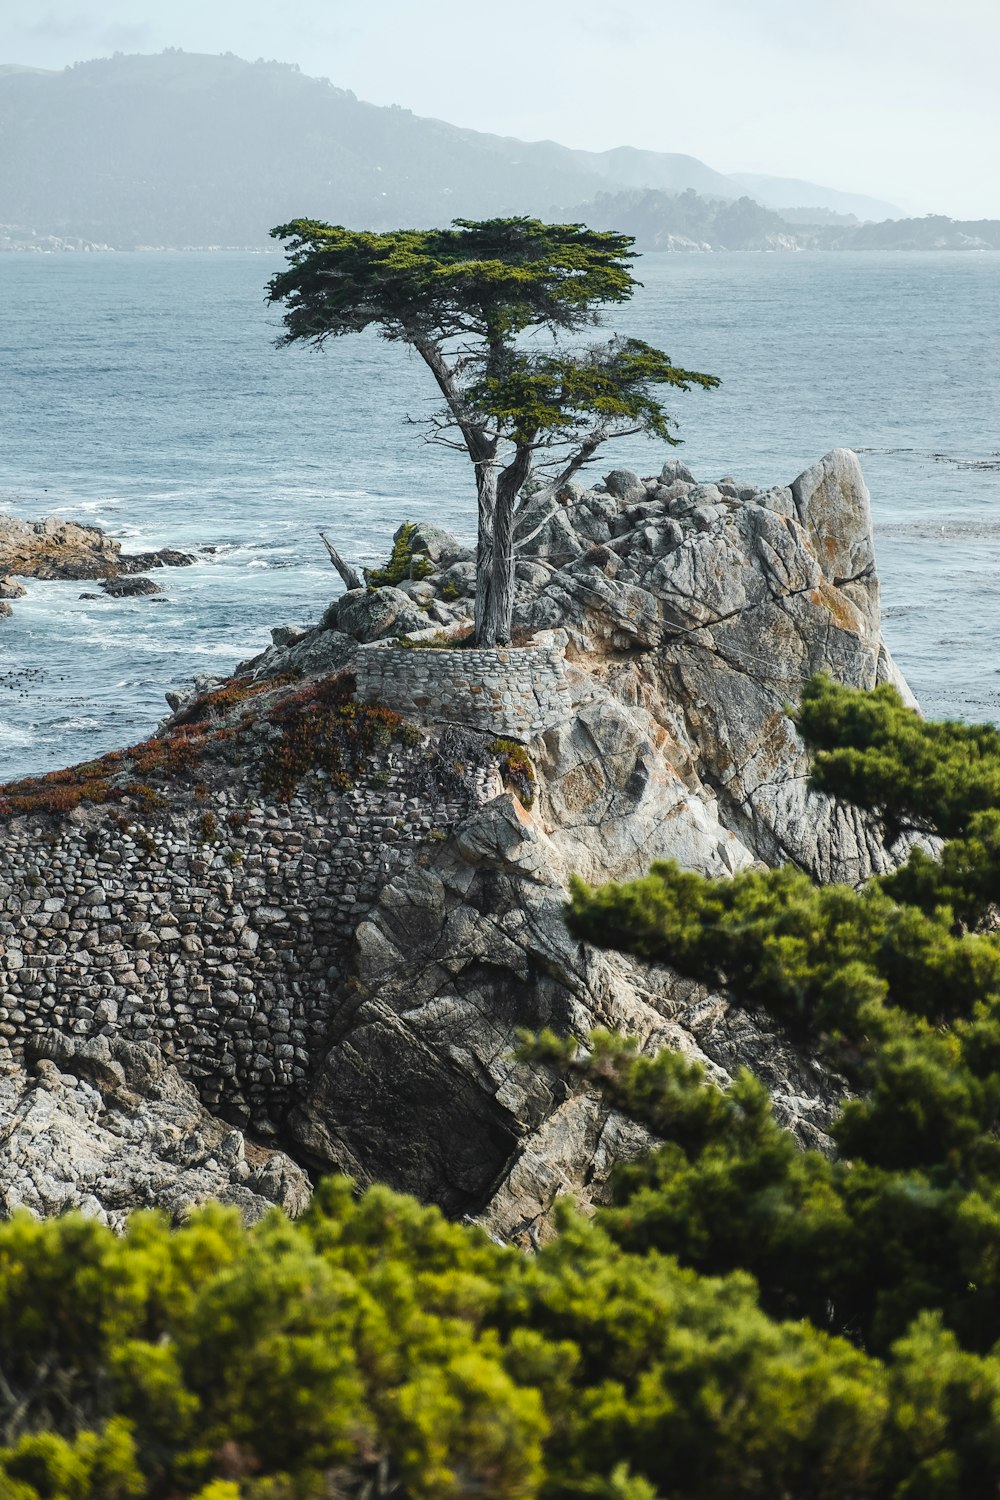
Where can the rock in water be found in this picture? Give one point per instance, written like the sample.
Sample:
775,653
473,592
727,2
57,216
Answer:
165,557
130,587
55,548
60,549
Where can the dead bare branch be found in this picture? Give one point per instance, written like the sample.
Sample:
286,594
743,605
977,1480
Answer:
350,576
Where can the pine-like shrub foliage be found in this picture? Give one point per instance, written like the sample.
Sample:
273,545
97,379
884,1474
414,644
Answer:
894,1243
403,562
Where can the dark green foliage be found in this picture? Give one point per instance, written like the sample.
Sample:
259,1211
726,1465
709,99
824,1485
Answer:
374,1348
898,984
540,397
823,959
491,279
859,1247
871,750
462,298
374,1344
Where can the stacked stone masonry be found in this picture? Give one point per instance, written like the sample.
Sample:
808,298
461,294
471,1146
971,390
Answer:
516,692
225,952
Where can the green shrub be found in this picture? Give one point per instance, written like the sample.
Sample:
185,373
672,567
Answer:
403,562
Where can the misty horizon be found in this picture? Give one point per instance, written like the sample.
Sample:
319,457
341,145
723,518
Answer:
886,101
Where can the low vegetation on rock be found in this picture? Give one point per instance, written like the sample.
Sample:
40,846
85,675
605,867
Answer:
285,730
403,562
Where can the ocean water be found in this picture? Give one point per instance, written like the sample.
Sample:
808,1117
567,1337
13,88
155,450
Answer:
144,393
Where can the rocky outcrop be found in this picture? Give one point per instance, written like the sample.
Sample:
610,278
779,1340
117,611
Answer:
60,549
420,1086
55,548
347,971
106,1126
375,614
691,617
710,605
700,610
130,586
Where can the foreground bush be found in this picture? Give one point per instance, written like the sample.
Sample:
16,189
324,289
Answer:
373,1348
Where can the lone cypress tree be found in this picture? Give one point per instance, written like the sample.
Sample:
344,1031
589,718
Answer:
461,297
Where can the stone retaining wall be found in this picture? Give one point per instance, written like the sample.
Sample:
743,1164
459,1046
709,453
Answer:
223,944
512,691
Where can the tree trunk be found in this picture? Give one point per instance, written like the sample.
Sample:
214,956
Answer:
481,447
494,617
498,610
486,485
497,495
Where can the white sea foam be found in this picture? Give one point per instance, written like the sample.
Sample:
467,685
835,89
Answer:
16,734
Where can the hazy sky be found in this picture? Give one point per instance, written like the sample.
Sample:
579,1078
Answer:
897,98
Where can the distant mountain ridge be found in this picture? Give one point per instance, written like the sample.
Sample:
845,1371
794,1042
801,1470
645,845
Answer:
790,193
189,150
688,222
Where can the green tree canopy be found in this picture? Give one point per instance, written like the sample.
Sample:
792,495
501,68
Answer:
461,297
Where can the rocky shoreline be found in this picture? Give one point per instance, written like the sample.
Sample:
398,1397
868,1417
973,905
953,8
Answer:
328,909
58,549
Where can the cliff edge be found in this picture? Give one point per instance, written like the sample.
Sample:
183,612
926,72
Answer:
328,894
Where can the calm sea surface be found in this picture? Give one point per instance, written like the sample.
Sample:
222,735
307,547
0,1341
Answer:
143,393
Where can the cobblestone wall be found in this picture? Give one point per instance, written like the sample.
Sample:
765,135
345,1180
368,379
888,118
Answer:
516,692
221,944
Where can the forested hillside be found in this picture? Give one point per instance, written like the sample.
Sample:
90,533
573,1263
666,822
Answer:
180,149
187,150
688,221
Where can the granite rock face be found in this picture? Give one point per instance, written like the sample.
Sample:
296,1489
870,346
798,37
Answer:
690,619
711,605
678,621
105,1127
420,1087
374,614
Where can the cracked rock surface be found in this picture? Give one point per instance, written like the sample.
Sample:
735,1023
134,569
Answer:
709,606
689,615
692,615
105,1127
420,1087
